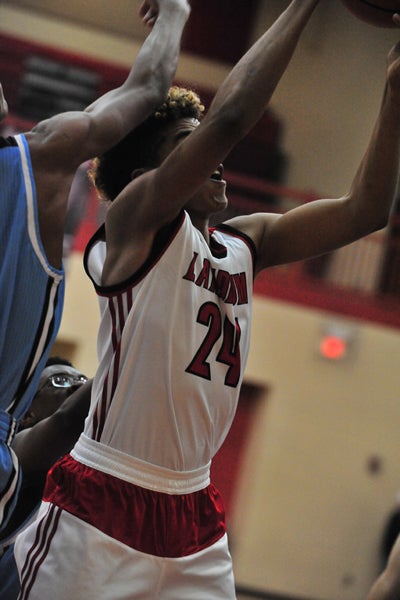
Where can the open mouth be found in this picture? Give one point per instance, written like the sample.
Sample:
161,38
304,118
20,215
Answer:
218,173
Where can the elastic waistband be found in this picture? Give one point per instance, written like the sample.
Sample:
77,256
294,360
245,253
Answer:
139,472
8,427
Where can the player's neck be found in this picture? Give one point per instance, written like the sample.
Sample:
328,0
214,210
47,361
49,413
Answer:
201,223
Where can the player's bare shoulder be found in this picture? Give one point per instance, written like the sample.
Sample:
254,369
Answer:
255,225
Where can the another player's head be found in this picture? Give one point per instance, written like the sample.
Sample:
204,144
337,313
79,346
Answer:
139,150
58,380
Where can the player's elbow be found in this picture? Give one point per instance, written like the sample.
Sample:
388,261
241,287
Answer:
378,220
382,221
367,217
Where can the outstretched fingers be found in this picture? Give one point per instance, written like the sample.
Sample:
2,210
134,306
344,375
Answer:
148,12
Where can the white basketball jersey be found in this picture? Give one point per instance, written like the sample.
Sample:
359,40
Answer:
173,343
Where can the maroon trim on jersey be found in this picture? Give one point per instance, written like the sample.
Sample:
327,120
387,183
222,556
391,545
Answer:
224,228
45,532
217,250
162,240
165,525
116,310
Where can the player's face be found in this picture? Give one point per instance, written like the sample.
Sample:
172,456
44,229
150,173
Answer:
56,383
211,196
174,134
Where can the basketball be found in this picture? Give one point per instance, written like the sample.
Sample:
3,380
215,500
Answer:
374,12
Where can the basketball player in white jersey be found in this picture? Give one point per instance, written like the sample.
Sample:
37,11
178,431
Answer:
131,512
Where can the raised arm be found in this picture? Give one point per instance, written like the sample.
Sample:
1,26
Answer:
150,77
39,446
325,225
60,144
248,88
72,138
237,106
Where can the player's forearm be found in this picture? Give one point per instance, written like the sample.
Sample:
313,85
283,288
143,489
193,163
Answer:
152,72
252,82
119,111
156,62
374,186
39,446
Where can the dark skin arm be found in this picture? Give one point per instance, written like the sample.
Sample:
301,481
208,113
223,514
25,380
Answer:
38,447
137,214
60,144
309,230
387,586
325,225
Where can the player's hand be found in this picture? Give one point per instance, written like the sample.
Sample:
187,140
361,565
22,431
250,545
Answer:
149,9
148,12
3,105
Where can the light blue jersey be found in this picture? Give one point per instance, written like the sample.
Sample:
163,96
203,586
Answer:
31,300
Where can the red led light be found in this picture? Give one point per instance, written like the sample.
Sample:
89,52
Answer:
333,347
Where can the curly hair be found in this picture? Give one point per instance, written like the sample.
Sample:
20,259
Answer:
111,172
